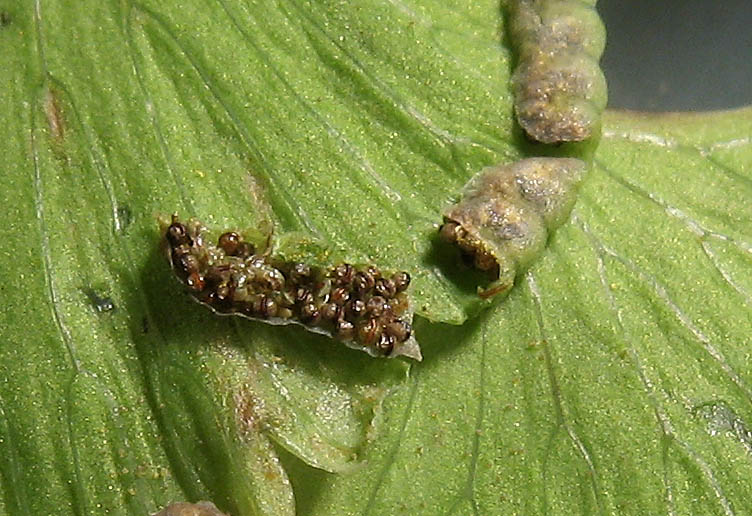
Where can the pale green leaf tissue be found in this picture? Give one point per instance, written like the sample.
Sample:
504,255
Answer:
614,379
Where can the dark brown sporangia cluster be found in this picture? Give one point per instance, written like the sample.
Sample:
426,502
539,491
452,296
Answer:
360,306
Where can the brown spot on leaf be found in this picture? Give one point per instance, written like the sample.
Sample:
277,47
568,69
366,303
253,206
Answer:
54,114
247,410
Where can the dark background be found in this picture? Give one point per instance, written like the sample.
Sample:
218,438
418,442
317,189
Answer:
678,55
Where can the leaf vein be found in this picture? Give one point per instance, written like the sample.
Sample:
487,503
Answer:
575,439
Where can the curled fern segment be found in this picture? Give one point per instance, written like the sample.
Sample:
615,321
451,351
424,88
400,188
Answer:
559,88
506,213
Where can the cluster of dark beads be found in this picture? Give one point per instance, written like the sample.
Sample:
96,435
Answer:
353,304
